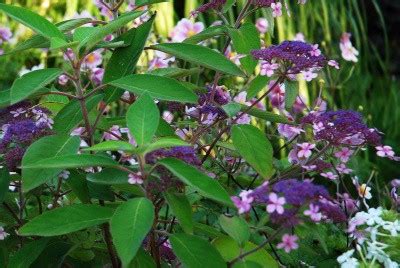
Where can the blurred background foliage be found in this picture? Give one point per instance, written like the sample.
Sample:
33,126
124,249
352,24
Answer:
370,86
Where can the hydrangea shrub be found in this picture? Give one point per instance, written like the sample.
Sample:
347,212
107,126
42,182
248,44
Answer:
207,155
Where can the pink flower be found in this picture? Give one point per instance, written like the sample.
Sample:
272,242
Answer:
277,94
243,206
245,195
168,116
334,64
18,112
63,79
267,68
3,234
241,98
275,203
209,119
384,151
288,243
262,25
289,131
276,9
97,75
92,60
349,52
305,151
299,37
113,133
313,212
343,169
185,29
315,52
161,60
309,75
329,175
135,178
344,154
5,34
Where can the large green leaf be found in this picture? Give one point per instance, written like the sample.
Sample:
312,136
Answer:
195,252
109,176
230,250
158,87
71,115
72,161
244,40
4,183
142,119
66,220
130,224
200,55
38,41
31,82
91,40
208,33
265,115
111,146
123,60
291,92
256,85
4,98
164,142
182,209
252,144
191,176
79,186
32,20
46,147
28,254
236,228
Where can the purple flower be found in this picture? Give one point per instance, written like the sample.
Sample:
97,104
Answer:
184,153
5,34
263,3
13,158
213,4
293,56
288,243
343,127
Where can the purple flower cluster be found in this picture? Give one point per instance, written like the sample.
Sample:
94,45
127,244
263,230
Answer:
262,3
294,194
213,4
184,153
20,127
342,127
220,97
294,56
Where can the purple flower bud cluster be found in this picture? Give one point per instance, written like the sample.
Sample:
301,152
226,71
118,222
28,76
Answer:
342,127
262,3
20,127
184,153
293,56
221,97
213,4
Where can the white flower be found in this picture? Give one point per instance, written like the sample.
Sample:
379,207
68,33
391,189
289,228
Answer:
364,191
3,234
392,227
346,260
374,216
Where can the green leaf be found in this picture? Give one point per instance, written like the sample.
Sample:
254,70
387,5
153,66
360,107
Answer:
72,161
129,226
58,43
268,116
32,20
123,60
4,183
31,82
28,254
111,146
208,33
191,176
4,98
66,220
230,250
247,264
182,209
256,85
252,144
71,115
231,109
109,176
195,252
142,119
291,92
166,142
140,3
165,130
236,228
142,260
244,40
79,186
174,72
200,55
158,87
38,41
45,147
91,40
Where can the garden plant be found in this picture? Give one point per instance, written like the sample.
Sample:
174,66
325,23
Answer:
217,142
